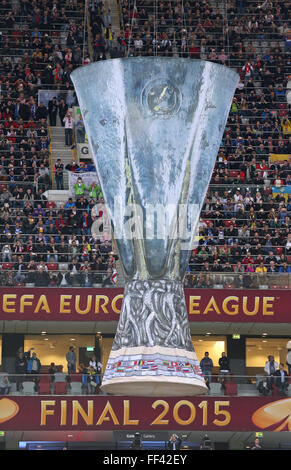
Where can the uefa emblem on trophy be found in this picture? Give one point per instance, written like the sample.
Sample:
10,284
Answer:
154,126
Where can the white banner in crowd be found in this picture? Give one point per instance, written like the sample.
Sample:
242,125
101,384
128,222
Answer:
88,178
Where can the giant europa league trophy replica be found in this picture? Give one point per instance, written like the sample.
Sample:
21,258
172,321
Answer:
154,126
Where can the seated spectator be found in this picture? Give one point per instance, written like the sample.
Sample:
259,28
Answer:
5,385
281,380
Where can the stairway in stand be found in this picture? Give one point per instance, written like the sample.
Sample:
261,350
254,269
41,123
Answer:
60,150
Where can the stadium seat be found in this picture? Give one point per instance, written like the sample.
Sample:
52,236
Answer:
247,390
230,388
28,388
7,266
60,388
44,387
215,389
52,266
76,388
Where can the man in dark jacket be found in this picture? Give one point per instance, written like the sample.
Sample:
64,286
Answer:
53,111
224,368
206,365
41,278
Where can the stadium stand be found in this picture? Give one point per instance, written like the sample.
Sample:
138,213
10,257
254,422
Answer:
43,243
244,235
244,238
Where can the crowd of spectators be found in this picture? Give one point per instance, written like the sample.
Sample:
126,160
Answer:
46,245
244,235
42,243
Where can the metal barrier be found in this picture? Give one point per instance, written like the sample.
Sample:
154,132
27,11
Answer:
226,384
254,279
58,383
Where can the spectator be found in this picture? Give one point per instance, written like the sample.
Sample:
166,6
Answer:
41,278
59,174
20,369
270,368
69,126
224,368
282,380
33,368
79,188
71,360
4,385
206,365
52,370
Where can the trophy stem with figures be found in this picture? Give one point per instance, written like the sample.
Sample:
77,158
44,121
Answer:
154,127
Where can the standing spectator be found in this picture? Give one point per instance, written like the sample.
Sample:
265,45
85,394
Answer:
71,360
69,124
41,278
224,368
20,369
63,108
206,365
257,444
33,368
288,357
59,174
94,373
270,368
52,370
80,131
174,442
79,188
53,111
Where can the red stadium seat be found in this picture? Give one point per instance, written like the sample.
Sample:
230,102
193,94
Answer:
44,388
7,266
76,377
52,266
230,388
275,391
60,388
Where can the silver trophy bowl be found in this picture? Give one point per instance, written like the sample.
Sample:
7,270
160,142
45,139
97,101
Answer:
154,126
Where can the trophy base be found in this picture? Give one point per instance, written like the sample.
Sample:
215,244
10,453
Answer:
154,387
153,371
153,353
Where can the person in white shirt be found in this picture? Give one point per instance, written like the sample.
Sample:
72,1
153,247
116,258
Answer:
94,372
69,125
270,368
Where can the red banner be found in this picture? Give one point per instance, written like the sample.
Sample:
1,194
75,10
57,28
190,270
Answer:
87,304
135,413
